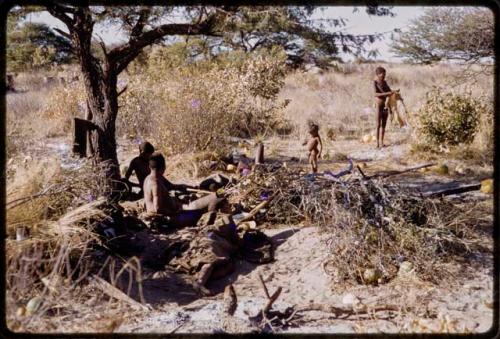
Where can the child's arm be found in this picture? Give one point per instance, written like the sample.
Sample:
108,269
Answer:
378,95
305,142
130,169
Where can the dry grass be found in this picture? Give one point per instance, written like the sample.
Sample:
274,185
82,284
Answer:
61,239
59,208
341,101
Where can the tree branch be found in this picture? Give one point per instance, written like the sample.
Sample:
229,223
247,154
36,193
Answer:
141,22
103,46
63,33
122,91
59,12
124,54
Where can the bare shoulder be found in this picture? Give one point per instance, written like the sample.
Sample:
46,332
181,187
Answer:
150,182
133,162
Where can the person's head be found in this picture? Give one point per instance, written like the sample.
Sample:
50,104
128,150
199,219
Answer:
157,163
380,73
146,149
313,128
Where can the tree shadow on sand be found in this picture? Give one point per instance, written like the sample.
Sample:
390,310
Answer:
243,267
166,285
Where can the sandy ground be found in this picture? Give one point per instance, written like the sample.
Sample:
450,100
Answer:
462,306
465,305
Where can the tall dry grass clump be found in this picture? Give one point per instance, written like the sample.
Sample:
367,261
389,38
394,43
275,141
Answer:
57,210
63,103
36,114
23,125
197,106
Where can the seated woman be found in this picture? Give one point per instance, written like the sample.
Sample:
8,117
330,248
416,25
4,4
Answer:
159,201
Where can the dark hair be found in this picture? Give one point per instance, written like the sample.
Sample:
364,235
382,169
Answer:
379,70
157,161
146,147
313,127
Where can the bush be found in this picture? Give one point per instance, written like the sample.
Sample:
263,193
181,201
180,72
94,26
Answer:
62,105
197,105
450,118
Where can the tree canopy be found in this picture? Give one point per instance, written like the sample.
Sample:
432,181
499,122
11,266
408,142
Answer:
35,45
448,33
303,37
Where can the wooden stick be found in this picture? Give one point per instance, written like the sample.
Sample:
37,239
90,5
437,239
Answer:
360,171
196,190
116,293
261,280
271,300
347,311
391,173
256,210
455,190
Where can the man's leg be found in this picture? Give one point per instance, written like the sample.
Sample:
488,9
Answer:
208,202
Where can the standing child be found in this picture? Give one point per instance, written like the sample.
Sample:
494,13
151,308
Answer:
382,92
312,146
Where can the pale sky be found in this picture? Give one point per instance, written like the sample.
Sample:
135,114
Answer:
357,23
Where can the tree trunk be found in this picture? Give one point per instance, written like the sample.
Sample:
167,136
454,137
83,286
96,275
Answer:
103,139
102,98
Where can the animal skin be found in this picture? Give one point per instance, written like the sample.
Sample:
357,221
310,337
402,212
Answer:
392,105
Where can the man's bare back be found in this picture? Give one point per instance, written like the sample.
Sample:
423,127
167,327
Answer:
159,201
140,164
156,196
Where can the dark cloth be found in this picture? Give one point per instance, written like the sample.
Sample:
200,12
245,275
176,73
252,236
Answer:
186,218
382,87
214,182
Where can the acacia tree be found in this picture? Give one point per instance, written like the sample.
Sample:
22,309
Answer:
448,33
26,42
259,26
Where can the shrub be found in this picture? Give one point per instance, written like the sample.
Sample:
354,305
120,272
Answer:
62,105
196,106
450,118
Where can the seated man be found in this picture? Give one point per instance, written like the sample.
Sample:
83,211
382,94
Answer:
140,165
159,201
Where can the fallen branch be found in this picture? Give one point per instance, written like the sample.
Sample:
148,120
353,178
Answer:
264,287
386,174
345,311
197,190
329,174
361,172
455,190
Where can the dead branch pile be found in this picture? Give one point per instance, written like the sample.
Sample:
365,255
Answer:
374,225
